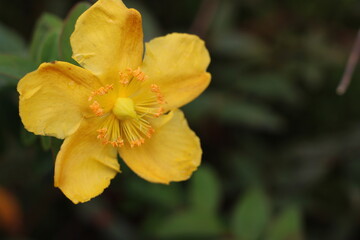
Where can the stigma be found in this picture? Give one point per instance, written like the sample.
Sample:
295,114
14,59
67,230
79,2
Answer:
124,108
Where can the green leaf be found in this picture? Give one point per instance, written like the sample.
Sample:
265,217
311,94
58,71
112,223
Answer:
224,18
250,114
27,138
190,224
68,29
12,68
204,190
231,110
200,220
45,142
157,195
251,215
201,106
240,45
10,42
49,50
6,81
55,146
287,226
270,86
15,67
47,24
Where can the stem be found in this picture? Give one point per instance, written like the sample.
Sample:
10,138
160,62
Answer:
204,17
350,66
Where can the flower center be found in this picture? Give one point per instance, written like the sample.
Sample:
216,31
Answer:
127,121
124,109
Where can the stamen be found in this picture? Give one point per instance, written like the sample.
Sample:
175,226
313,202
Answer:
160,98
150,132
127,75
102,133
101,91
156,89
96,108
139,75
119,126
103,137
117,143
159,112
137,142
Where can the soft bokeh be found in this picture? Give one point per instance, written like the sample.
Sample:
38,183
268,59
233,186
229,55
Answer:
281,149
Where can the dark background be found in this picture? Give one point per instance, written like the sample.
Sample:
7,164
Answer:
281,149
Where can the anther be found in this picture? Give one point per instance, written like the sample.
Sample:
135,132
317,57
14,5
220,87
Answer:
95,107
150,132
124,76
160,98
137,142
128,74
102,136
159,112
139,75
101,91
119,142
156,89
102,133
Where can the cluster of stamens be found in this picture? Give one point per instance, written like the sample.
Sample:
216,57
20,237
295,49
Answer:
101,91
156,89
119,128
127,75
102,135
96,108
141,140
159,112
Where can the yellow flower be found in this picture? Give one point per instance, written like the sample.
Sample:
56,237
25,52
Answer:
119,102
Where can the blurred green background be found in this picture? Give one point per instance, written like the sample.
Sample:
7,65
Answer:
281,150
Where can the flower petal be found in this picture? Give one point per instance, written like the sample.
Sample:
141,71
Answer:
54,98
177,63
108,38
171,154
84,166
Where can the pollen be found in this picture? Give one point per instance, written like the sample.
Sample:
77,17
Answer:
96,108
